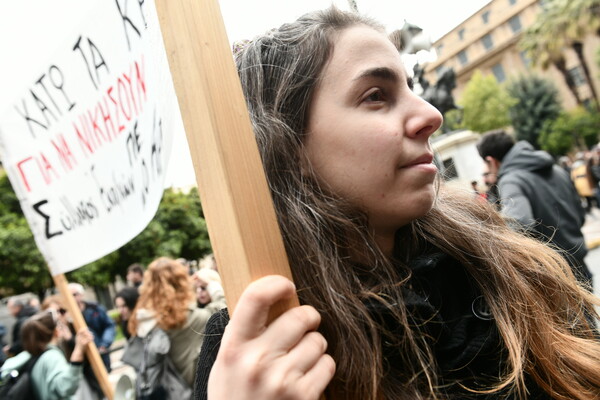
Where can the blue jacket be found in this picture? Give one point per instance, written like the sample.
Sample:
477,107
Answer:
101,325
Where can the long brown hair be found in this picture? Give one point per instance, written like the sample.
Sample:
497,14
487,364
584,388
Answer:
531,291
166,290
37,332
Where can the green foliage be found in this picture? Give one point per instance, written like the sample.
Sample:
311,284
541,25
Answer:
453,120
561,24
577,128
22,267
485,104
537,101
177,230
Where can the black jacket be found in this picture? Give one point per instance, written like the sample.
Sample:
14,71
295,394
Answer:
26,312
541,196
443,300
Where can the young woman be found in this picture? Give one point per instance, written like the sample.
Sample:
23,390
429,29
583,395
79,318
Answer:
125,301
209,292
89,388
167,300
53,377
410,290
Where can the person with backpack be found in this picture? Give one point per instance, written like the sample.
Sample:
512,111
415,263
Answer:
51,376
170,325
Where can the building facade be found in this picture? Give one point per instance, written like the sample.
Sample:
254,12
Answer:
488,41
457,157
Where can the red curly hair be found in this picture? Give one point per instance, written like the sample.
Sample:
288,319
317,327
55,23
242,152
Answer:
166,290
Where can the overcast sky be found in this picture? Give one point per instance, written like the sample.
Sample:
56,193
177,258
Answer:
245,19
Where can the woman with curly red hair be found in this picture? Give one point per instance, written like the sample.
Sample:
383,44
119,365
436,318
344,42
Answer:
167,301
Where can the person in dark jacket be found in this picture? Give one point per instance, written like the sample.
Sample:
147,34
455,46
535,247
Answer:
21,311
539,195
408,288
96,318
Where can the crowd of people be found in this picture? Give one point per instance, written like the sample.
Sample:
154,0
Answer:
409,288
167,296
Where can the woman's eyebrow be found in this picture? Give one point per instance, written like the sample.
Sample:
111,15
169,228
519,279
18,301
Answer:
384,73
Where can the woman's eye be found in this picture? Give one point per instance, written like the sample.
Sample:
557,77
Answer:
375,96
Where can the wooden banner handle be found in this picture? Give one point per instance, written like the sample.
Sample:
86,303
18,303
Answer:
235,197
91,351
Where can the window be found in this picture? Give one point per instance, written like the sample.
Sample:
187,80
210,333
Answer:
499,73
450,169
515,24
512,2
462,57
487,42
577,76
485,17
525,59
461,33
439,70
439,49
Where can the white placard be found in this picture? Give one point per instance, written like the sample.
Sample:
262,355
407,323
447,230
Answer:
87,112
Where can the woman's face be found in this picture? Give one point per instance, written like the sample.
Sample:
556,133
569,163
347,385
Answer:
60,312
202,294
123,309
368,133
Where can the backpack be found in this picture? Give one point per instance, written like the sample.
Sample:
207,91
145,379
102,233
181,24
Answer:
18,385
157,376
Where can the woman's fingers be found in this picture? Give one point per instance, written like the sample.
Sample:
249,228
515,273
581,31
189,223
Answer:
286,331
84,336
283,360
315,381
306,353
249,319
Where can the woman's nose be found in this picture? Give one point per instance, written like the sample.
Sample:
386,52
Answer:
423,119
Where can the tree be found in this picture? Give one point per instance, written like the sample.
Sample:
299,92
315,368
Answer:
544,49
537,102
485,104
22,267
577,128
177,230
453,120
562,24
579,17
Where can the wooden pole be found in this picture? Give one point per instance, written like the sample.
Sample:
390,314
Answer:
91,351
235,197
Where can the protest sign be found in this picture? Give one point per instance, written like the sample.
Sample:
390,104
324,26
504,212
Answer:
87,112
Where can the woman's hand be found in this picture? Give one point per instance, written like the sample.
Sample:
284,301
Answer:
64,332
82,339
283,360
